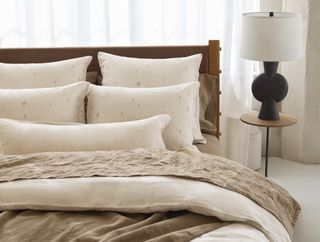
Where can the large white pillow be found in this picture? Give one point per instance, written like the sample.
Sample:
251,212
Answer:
40,75
138,72
17,137
116,104
56,104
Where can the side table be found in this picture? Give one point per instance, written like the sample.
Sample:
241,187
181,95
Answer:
251,118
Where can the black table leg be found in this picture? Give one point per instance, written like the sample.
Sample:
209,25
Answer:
267,154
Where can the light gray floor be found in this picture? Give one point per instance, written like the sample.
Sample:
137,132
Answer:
303,183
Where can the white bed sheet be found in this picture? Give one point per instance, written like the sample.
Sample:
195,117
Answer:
233,232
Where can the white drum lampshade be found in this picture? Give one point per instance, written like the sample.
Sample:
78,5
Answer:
271,36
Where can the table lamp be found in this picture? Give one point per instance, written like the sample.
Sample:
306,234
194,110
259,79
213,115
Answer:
271,37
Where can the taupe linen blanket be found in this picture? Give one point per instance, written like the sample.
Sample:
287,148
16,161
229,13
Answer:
18,226
184,163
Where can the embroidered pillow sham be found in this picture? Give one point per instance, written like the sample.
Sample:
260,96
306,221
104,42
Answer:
56,104
43,75
117,104
147,73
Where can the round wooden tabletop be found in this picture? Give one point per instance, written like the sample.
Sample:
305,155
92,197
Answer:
252,119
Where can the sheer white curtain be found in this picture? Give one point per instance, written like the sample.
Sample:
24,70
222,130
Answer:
38,23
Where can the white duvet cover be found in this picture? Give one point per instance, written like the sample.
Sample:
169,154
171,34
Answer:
151,193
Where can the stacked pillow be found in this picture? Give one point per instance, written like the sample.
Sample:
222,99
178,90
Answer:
132,110
118,104
55,104
54,93
139,72
50,92
150,73
43,75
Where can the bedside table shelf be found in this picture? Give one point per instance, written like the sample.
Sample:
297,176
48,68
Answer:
284,121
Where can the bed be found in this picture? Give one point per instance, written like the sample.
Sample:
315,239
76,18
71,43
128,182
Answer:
58,190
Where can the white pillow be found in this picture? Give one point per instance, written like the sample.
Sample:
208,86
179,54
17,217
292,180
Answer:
17,137
39,75
56,104
137,72
117,104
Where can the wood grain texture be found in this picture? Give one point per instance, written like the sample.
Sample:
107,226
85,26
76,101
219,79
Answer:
214,69
252,119
38,55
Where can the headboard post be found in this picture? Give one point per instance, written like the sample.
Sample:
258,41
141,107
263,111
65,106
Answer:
214,69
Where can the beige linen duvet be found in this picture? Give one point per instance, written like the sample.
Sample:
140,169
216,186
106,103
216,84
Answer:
139,195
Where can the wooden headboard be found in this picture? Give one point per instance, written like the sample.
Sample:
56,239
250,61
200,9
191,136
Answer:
210,62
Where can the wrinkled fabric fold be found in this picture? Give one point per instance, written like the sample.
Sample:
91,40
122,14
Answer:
104,226
183,163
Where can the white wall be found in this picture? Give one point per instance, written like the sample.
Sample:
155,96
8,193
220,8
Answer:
301,142
311,138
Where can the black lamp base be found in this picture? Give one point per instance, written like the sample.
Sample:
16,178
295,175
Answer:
269,110
269,88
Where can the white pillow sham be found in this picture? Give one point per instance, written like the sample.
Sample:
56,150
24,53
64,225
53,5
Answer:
138,72
42,75
17,137
56,104
117,104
